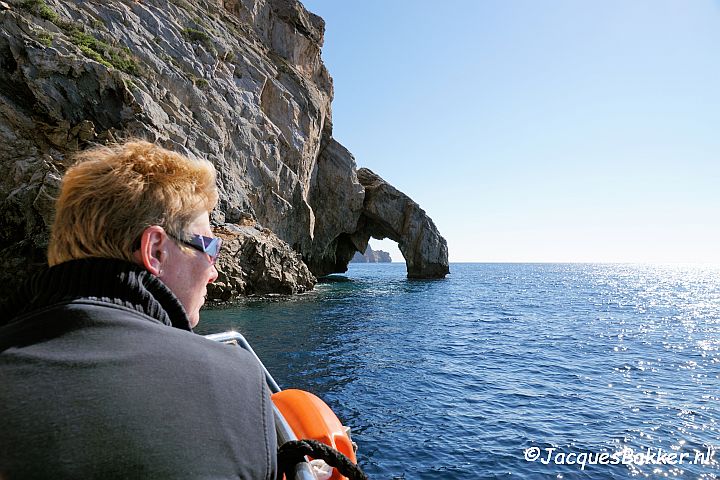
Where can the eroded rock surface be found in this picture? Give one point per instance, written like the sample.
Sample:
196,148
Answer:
371,256
254,261
237,82
389,213
337,197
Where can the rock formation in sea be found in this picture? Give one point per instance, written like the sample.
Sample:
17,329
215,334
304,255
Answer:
389,213
371,256
240,83
256,262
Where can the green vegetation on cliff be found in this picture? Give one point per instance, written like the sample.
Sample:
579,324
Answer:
120,58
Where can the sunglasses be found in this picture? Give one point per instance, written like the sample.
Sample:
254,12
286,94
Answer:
208,245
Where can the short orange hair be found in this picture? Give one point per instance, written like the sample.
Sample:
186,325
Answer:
112,194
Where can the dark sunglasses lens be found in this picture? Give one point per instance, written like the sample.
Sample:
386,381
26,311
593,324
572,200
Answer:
209,245
213,248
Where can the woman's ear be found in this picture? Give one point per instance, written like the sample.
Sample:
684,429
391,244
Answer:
151,253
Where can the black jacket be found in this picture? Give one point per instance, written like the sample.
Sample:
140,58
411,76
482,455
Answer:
102,377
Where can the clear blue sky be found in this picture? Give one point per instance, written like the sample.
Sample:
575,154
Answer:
529,130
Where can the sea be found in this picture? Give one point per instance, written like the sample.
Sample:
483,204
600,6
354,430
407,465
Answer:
524,371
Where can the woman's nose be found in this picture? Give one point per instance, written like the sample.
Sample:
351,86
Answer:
213,274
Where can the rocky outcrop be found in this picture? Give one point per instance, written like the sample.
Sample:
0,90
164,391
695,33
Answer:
371,256
254,261
389,213
337,197
237,82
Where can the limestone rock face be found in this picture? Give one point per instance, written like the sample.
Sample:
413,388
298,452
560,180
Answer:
337,197
240,84
371,256
254,261
389,213
237,82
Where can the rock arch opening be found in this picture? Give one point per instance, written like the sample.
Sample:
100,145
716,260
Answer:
383,250
389,213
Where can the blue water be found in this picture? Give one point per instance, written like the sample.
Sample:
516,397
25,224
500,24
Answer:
462,377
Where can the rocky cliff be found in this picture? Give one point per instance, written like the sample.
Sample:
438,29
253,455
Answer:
238,82
371,256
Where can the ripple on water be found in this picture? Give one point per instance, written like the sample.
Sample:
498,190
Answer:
456,378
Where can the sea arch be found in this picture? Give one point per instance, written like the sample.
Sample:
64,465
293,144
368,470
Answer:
389,213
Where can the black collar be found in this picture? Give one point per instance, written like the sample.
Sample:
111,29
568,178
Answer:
103,279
